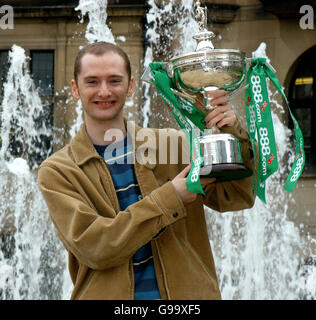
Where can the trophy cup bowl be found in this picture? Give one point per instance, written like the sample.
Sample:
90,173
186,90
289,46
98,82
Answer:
211,68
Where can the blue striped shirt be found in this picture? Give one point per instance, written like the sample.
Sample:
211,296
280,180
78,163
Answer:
119,159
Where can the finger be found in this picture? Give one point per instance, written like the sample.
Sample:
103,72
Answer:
185,171
215,121
215,112
228,120
222,100
205,181
219,114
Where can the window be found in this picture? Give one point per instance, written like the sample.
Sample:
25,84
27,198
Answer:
42,70
4,67
302,98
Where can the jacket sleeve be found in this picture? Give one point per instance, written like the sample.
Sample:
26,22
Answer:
107,240
237,194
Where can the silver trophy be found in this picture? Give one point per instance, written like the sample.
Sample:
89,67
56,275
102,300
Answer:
196,75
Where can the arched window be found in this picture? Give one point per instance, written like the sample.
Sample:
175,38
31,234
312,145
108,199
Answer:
302,98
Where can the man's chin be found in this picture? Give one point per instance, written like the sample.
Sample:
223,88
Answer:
107,116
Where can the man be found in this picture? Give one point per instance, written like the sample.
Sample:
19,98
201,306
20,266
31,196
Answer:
132,229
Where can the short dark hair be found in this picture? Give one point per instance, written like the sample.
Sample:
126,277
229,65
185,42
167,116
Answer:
99,48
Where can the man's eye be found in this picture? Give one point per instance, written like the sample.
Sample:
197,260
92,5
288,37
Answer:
92,82
116,80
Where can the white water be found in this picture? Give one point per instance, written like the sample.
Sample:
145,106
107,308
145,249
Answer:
163,24
97,28
32,261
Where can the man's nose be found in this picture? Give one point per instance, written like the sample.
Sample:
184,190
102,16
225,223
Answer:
104,90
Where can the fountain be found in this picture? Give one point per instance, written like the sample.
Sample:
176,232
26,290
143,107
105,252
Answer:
258,252
32,262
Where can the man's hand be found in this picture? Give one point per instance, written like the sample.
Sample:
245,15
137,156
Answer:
179,183
223,113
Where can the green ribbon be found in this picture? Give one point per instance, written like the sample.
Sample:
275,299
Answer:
182,110
259,121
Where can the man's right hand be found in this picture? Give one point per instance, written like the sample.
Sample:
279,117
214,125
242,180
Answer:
180,184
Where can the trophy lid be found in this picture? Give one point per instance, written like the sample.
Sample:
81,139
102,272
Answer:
204,42
204,36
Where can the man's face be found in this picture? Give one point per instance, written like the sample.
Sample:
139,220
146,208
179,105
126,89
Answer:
103,86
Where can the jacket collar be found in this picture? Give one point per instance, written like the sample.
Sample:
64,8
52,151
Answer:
83,149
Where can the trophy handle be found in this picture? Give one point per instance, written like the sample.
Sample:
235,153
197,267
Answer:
183,95
147,76
239,90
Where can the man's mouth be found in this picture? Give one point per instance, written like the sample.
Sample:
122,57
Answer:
104,104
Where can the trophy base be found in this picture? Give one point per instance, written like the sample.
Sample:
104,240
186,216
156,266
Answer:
228,172
222,157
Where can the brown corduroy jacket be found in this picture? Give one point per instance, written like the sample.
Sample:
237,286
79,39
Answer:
101,239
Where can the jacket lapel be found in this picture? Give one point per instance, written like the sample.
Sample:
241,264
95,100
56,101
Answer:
145,156
82,148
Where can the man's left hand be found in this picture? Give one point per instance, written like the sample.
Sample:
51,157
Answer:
223,113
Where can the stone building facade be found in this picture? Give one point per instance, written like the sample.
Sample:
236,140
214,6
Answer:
54,29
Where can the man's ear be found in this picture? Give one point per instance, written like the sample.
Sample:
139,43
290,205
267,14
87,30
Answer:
75,90
131,87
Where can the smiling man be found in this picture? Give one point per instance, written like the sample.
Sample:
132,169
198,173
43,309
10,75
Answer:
132,229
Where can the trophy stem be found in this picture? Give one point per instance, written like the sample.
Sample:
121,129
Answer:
213,130
207,93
